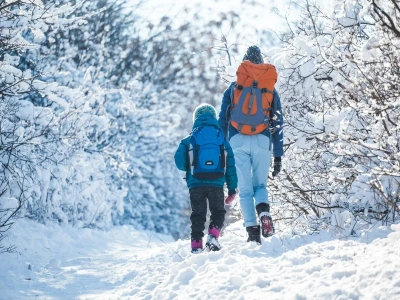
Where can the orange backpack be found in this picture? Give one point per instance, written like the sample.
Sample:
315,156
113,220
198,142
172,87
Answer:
252,97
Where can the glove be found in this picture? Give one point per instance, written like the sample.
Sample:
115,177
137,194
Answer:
231,196
277,166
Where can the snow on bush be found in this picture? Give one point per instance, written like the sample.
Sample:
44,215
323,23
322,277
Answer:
339,82
45,128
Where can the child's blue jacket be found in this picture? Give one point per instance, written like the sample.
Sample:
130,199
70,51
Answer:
182,158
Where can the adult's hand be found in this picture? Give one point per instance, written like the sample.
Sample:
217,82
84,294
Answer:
277,166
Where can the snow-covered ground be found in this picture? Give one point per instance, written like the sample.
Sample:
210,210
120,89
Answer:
55,262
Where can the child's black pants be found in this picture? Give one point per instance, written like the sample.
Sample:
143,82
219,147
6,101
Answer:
198,202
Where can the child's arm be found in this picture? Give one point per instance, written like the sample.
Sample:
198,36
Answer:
181,156
230,173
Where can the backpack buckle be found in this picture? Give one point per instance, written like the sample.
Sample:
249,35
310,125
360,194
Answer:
254,87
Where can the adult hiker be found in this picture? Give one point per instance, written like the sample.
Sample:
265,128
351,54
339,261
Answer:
251,118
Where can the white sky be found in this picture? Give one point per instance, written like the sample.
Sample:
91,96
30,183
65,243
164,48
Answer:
260,15
155,9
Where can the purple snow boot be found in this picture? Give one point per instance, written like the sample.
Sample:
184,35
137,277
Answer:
212,239
197,246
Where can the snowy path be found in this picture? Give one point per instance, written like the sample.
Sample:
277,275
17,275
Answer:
66,263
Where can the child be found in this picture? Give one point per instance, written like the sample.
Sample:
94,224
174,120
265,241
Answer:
208,160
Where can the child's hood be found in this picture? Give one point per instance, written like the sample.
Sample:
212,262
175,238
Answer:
205,119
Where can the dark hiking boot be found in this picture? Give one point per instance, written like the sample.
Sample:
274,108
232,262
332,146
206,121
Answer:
261,207
267,227
254,234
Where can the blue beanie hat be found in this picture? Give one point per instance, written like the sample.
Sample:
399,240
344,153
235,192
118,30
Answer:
253,54
204,108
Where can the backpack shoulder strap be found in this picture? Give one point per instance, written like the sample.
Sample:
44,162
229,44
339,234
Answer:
232,92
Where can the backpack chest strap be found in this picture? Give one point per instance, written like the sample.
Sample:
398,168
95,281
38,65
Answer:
265,90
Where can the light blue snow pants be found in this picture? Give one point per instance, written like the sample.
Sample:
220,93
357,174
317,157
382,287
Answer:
252,159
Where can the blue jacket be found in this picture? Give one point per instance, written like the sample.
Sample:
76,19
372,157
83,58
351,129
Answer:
181,158
276,138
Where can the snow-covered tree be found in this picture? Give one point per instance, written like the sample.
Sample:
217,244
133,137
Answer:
339,81
33,138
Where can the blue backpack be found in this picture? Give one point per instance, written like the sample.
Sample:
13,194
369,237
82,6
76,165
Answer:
207,153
